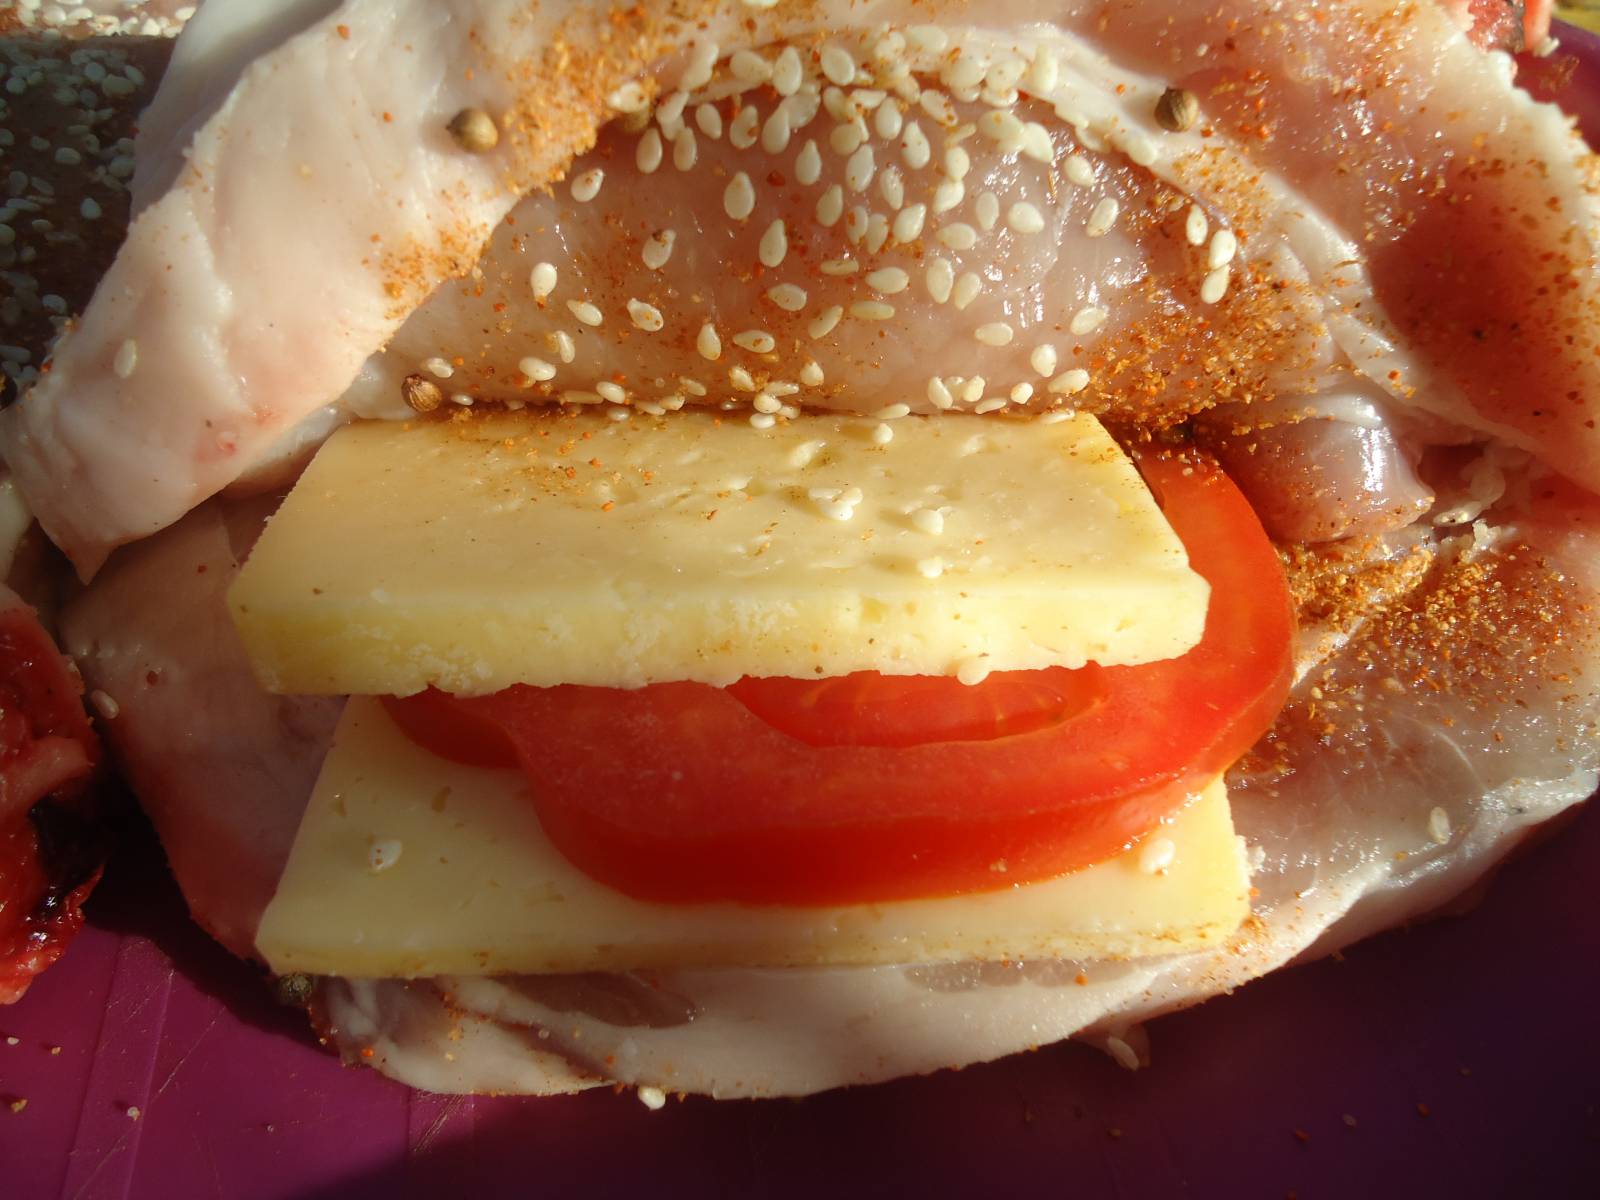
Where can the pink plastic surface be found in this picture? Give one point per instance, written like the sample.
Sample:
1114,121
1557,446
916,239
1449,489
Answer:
1457,1059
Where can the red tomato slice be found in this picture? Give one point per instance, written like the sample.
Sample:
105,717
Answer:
875,788
48,752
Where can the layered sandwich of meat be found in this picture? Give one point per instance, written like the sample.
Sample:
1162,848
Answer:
814,512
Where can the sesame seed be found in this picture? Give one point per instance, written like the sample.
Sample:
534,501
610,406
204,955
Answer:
966,290
787,72
811,374
848,138
929,521
823,323
958,236
877,232
631,97
888,280
774,245
383,854
536,369
838,65
971,390
1214,286
988,208
1055,416
739,197
618,414
931,39
566,349
858,170
993,404
473,129
647,154
708,118
438,368
948,194
908,223
645,316
741,379
702,62
761,420
996,333
657,248
615,393
872,310
957,162
126,360
1043,359
750,68
893,412
1087,320
892,186
757,341
1043,72
839,266
776,132
742,131
1224,245
1102,218
939,278
972,671
840,106
1156,855
685,149
803,454
855,223
766,403
915,150
693,386
930,568
882,435
1021,393
1439,825
808,164
585,312
670,112
464,399
1024,218
586,184
830,206
888,121
1004,128
1069,383
787,296
939,394
1195,226
962,74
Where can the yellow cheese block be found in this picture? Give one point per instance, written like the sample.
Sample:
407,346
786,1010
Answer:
569,548
408,865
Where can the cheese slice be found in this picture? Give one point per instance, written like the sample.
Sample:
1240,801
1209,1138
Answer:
568,548
408,865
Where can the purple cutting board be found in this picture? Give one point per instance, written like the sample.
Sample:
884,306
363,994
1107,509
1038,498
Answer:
1457,1059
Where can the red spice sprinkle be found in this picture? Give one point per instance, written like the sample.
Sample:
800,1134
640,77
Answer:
343,31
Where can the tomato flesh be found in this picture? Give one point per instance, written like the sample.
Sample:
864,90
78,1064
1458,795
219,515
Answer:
872,788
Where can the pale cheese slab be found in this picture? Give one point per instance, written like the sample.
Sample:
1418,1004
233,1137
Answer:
408,865
569,548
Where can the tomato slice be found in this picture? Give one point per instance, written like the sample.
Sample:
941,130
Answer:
48,753
872,788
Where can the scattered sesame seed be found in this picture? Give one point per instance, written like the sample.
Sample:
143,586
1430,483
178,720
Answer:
741,379
939,278
685,149
1043,359
739,197
126,360
766,403
787,296
1080,171
749,67
537,369
787,72
966,290
847,138
774,245
1024,218
585,312
776,132
742,131
473,129
1102,218
645,316
1195,226
702,62
877,232
930,568
438,368
1156,855
1021,393
1439,825
909,222
888,280
652,1098
823,323
830,206
615,393
838,65
855,223
859,168
757,341
811,374
1224,245
872,310
586,184
948,194
107,707
1055,416
708,118
1069,383
808,164
1087,320
892,186
542,280
1215,285
958,235
464,399
915,150
839,266
383,854
888,121
995,333
1036,143
882,434
566,349
957,162
988,209
938,394
631,97
657,248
